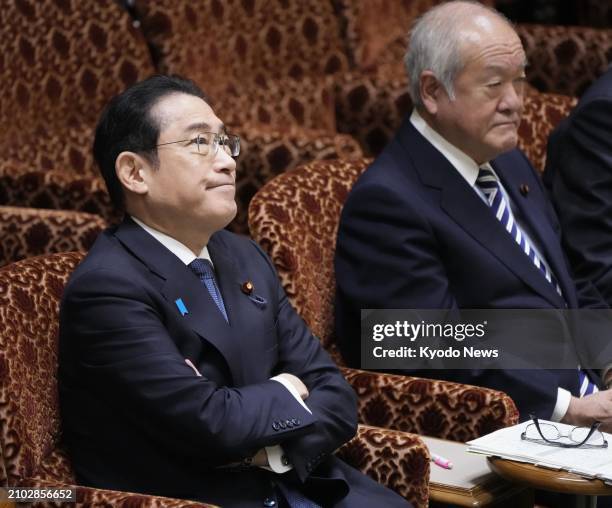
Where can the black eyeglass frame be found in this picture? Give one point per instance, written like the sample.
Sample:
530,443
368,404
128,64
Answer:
218,140
582,444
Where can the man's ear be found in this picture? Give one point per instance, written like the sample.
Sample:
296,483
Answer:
131,169
431,91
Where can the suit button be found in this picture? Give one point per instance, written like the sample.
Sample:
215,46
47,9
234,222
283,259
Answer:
285,460
282,424
269,502
275,426
289,423
297,421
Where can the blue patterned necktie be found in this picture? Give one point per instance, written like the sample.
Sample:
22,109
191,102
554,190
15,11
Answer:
489,184
204,270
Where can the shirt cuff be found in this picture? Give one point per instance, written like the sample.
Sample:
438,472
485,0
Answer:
277,460
563,401
292,390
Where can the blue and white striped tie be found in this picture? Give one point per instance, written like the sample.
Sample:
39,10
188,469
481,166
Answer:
488,183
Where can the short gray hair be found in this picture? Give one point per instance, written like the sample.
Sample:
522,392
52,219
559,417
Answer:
435,45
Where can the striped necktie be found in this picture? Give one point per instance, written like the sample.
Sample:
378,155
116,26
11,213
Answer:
204,270
489,184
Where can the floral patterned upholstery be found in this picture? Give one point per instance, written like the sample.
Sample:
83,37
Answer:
398,460
244,41
59,189
270,151
30,293
542,112
61,62
28,232
565,59
294,217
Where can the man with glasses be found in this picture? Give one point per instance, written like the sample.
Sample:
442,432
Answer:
184,371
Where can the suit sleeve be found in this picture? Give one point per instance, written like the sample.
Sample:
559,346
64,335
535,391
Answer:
582,193
331,399
128,361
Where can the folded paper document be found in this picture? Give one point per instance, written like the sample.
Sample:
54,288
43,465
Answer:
507,444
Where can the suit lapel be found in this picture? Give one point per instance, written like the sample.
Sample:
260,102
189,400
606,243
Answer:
179,282
464,206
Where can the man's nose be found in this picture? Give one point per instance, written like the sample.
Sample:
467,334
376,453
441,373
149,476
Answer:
512,99
224,161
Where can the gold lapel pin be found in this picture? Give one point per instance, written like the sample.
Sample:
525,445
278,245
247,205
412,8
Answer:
247,287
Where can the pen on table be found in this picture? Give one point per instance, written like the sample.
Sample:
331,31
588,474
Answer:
441,461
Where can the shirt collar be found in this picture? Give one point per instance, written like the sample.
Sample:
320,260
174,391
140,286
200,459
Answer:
463,163
180,250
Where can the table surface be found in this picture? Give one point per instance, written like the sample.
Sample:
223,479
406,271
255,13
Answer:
471,481
548,479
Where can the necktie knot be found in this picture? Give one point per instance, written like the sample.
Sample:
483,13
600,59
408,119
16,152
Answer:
202,268
487,182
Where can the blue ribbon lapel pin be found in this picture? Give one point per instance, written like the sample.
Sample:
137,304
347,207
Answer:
181,306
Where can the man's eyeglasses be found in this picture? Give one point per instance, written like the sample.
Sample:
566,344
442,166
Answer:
549,434
208,143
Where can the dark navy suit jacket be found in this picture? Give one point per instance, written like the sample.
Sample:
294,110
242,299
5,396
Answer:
414,235
579,175
136,417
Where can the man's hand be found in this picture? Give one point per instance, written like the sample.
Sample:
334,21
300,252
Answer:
596,407
296,382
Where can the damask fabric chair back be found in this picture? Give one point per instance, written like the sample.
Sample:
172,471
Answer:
29,232
542,112
30,293
61,62
294,217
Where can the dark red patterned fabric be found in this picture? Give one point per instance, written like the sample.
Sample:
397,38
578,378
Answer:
28,232
61,62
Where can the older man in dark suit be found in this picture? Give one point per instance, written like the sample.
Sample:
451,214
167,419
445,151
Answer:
452,216
184,371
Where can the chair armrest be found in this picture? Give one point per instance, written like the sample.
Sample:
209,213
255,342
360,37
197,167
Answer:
89,496
398,460
442,409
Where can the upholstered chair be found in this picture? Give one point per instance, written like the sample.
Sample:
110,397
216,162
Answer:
294,217
29,232
31,452
61,62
